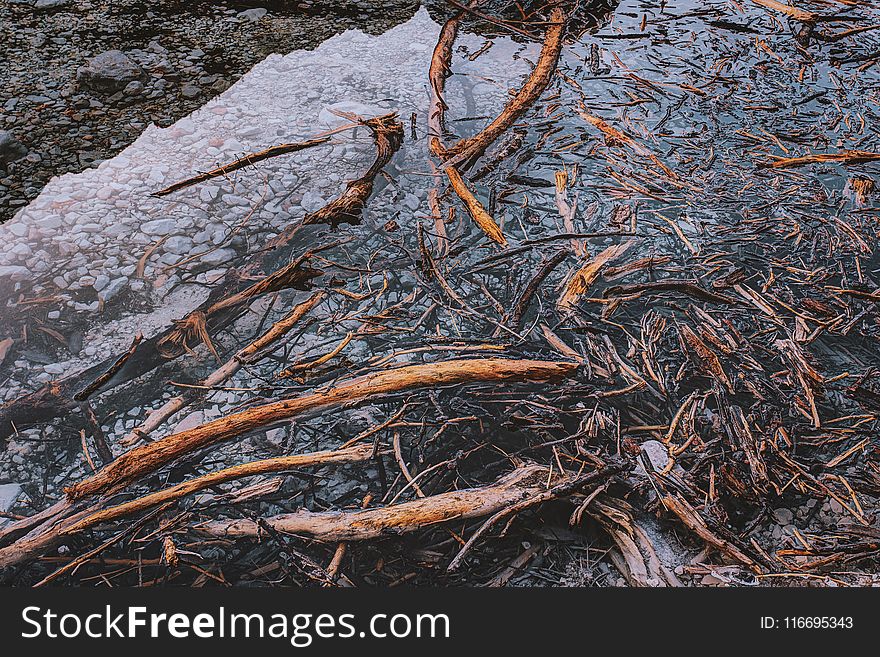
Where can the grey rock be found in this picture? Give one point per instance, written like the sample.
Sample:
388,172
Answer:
312,201
276,436
50,222
234,199
113,288
190,91
21,249
46,5
783,516
18,229
53,368
208,193
254,14
8,495
190,421
15,272
411,201
134,88
218,257
178,245
109,72
10,148
101,281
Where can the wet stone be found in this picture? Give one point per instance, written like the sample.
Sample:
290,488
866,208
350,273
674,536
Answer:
109,72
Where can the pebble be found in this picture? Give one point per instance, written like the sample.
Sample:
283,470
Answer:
312,201
113,289
218,257
50,4
208,193
190,421
254,14
178,245
109,72
190,91
15,272
101,281
10,148
159,227
783,516
9,495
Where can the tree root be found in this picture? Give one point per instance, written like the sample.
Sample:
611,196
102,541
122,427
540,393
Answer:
346,209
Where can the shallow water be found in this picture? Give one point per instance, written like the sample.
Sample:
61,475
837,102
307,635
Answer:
704,93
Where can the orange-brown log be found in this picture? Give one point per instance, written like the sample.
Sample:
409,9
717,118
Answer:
437,74
844,157
792,12
148,458
346,209
475,209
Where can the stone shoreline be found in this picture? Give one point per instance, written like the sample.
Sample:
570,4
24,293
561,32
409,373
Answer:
56,119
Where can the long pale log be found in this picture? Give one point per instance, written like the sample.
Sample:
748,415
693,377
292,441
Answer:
148,458
55,525
522,483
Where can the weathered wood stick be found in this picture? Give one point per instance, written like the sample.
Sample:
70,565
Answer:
475,209
243,162
522,483
584,277
346,209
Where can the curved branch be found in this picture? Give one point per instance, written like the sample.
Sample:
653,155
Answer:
469,149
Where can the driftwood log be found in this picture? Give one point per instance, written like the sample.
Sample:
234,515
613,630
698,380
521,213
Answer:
148,458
